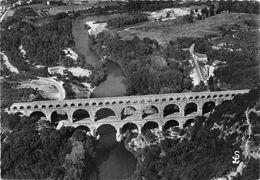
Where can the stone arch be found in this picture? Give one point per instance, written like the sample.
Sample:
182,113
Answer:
226,101
171,123
83,128
127,112
189,122
36,107
57,106
190,108
149,111
129,126
80,114
43,106
208,107
171,109
50,106
58,115
29,107
65,105
104,113
100,103
149,125
38,114
14,108
21,107
19,114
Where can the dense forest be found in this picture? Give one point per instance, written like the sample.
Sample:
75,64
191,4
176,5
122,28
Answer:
43,44
33,149
128,19
207,151
242,70
148,69
239,6
10,94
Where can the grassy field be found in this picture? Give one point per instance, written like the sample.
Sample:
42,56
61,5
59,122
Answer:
163,32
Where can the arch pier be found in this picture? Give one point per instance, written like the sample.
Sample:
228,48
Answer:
165,110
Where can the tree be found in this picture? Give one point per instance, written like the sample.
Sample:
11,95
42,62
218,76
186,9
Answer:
200,87
188,18
211,83
212,10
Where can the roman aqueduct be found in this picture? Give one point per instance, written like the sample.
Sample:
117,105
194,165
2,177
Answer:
162,110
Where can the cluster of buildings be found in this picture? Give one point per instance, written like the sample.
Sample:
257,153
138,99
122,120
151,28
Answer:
202,69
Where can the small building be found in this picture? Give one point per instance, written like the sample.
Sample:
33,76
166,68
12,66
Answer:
57,70
197,56
201,57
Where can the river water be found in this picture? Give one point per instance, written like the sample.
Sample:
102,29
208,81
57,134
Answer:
113,86
113,161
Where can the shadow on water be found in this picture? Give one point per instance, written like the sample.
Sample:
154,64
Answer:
120,164
112,158
107,136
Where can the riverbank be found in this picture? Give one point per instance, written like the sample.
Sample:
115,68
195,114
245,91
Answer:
81,38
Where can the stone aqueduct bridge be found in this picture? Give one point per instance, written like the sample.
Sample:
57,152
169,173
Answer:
180,107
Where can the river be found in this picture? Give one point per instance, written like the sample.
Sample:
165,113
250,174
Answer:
113,85
114,162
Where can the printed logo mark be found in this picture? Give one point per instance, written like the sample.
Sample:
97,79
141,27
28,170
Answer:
236,158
